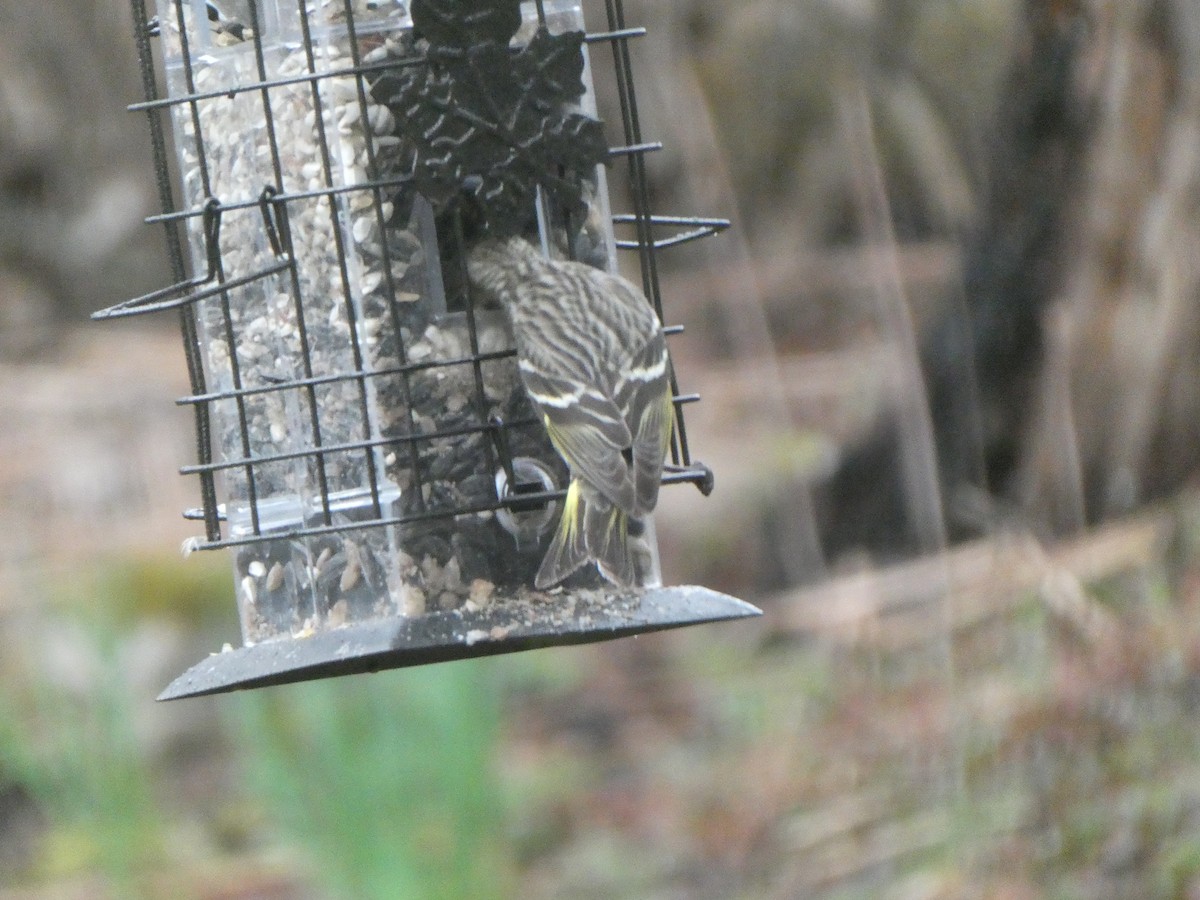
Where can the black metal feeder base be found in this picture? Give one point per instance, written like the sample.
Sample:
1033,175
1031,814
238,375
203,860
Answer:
574,618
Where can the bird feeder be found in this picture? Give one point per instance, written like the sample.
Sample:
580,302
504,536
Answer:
366,451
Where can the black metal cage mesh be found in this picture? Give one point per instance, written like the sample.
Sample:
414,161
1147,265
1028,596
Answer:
362,437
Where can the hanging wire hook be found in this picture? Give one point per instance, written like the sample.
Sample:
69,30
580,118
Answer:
211,224
211,282
274,213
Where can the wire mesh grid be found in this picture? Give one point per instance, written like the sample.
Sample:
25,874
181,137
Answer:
344,379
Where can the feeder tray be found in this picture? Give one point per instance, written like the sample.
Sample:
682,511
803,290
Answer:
551,620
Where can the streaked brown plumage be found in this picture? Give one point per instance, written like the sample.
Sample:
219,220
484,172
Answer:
593,360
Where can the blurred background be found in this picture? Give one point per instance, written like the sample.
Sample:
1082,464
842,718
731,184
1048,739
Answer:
949,357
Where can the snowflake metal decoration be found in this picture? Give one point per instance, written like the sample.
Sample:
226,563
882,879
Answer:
490,120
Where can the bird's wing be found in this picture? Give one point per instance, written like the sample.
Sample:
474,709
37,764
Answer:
589,432
644,389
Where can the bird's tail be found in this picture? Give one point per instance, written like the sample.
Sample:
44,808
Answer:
590,529
568,550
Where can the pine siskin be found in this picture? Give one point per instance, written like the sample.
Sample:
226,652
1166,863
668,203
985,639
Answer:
592,356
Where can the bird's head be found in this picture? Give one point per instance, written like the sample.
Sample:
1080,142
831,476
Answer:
496,265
